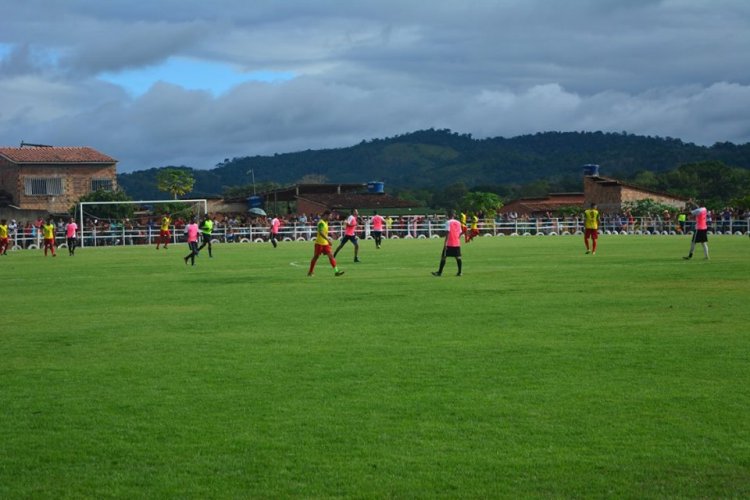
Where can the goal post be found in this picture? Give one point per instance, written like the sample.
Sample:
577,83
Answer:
200,202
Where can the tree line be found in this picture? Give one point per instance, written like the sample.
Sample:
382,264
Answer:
438,167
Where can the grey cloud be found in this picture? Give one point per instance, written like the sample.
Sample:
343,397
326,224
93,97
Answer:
20,61
119,46
372,69
170,125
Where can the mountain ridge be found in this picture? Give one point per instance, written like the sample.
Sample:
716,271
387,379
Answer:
432,159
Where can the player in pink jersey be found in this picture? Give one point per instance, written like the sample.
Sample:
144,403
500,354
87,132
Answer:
350,234
452,246
700,235
191,231
275,225
71,229
377,228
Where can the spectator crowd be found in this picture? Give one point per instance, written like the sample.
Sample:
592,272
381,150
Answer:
236,227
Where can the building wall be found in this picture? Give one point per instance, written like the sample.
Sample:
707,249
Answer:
9,179
610,198
607,198
76,182
309,207
630,194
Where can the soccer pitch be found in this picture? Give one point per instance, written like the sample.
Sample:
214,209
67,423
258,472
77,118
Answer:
542,372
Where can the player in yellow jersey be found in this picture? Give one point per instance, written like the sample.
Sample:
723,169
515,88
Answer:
3,237
323,245
473,232
164,233
48,232
591,228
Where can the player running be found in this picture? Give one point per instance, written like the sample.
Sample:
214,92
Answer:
323,245
350,234
164,233
591,228
473,231
452,246
191,230
207,228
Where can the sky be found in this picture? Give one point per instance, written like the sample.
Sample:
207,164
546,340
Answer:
182,82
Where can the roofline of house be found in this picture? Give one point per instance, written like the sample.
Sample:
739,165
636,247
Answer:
549,197
294,187
639,188
60,162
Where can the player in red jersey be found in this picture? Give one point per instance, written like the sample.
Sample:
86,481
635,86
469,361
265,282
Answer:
164,233
323,245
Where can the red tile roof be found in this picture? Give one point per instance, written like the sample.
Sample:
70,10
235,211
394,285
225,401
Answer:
54,155
549,203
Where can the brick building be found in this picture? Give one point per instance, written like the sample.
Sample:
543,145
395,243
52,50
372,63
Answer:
610,194
52,179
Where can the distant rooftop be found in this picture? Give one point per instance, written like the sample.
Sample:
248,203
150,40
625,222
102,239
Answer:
358,200
606,181
551,203
36,155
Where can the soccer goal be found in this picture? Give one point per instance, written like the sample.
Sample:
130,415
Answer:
113,227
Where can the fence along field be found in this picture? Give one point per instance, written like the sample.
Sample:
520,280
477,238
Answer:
541,372
411,227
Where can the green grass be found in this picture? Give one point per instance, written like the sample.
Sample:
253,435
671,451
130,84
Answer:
542,372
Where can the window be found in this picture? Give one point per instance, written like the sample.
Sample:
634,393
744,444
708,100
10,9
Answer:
38,186
101,184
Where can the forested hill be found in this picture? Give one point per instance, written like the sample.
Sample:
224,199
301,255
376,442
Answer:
437,158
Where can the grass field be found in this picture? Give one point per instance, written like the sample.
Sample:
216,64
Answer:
542,372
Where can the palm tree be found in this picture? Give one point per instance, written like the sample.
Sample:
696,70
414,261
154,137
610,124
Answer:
176,181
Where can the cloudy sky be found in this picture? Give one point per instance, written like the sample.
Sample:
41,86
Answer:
183,82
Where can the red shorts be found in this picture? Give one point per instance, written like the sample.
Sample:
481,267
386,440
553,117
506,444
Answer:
591,233
322,249
165,234
49,242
